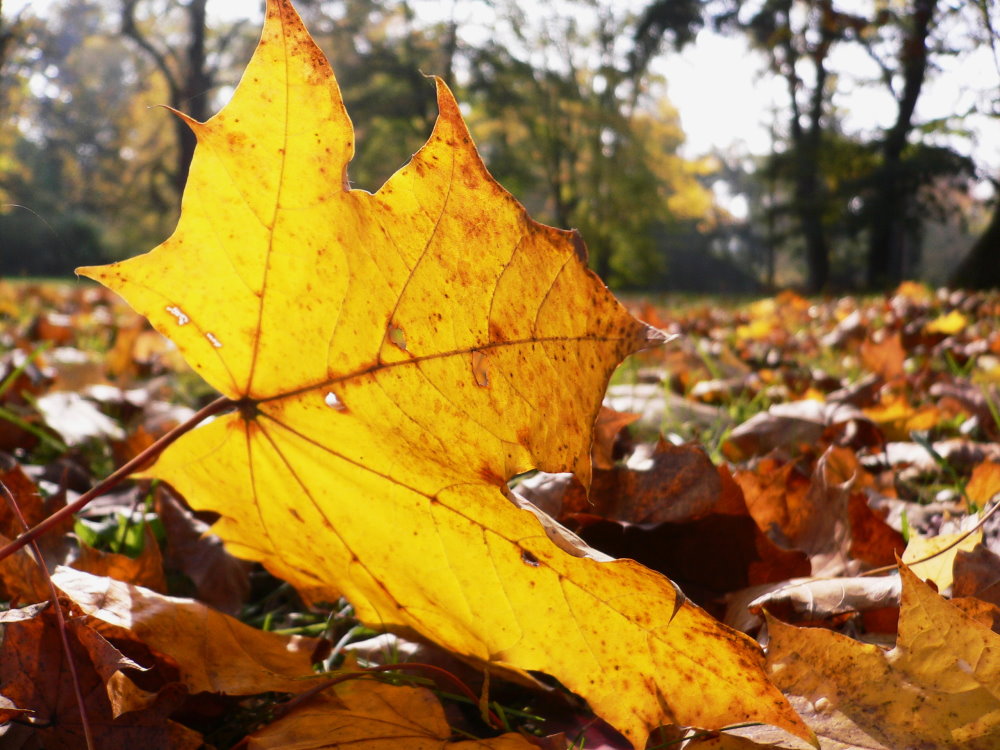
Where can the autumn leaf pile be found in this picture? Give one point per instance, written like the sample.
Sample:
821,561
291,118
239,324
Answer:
418,516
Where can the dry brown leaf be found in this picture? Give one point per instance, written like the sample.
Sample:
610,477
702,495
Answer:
35,675
873,541
687,549
793,424
977,573
220,580
609,424
214,652
819,599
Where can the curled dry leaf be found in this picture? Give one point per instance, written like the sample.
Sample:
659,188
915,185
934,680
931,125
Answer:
790,425
19,614
214,652
820,599
609,424
395,359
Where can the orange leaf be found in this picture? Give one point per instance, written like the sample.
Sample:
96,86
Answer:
884,357
214,652
984,483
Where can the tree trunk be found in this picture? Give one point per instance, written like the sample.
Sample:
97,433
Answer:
187,77
889,216
817,249
194,92
980,268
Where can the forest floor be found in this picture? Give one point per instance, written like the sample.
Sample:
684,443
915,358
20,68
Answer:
770,448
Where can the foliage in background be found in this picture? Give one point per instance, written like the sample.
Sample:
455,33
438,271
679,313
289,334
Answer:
567,110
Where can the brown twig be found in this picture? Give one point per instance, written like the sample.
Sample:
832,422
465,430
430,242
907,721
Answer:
117,476
63,635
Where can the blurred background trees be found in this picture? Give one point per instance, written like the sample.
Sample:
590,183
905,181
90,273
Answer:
570,109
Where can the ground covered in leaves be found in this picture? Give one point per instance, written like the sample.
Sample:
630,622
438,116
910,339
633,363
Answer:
774,460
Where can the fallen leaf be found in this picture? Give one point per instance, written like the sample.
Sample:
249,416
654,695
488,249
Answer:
897,417
948,324
674,483
914,292
884,357
938,688
145,570
21,579
873,541
609,424
776,495
214,652
686,547
984,483
220,580
810,516
977,573
18,614
726,742
938,569
395,359
77,419
819,599
35,676
365,715
794,424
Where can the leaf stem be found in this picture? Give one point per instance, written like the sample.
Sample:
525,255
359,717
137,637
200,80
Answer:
116,477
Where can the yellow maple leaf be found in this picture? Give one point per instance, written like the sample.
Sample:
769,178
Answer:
938,569
394,359
898,417
938,688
